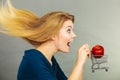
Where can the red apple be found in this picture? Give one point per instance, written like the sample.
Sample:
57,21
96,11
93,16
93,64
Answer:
98,51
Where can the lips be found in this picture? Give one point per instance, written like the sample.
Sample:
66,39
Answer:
68,43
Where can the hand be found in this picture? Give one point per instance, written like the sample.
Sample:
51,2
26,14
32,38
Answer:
83,53
77,72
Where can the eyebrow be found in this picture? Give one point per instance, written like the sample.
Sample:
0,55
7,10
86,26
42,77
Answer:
69,26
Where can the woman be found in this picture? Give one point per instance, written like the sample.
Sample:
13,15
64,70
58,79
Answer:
49,34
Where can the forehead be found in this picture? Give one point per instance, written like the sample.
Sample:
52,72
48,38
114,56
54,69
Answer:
68,23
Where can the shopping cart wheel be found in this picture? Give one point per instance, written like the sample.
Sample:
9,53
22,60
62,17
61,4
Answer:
106,70
93,70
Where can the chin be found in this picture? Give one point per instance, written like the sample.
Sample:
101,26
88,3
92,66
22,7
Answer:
65,51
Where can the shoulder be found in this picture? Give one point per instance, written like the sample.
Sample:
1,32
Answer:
35,65
33,54
34,59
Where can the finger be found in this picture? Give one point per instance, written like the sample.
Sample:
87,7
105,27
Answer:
88,54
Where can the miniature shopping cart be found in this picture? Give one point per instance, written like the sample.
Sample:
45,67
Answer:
98,63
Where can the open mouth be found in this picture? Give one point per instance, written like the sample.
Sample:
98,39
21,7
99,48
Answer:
68,44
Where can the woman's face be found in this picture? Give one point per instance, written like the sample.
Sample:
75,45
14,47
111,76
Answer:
65,36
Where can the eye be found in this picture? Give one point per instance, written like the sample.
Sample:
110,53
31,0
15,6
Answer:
69,30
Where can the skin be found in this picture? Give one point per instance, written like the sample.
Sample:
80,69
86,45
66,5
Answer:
61,42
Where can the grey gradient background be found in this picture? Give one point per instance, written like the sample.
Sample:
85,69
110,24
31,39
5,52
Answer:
96,22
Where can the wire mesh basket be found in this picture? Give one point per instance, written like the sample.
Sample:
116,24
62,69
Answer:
97,62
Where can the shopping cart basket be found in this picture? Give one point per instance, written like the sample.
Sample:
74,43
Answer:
97,63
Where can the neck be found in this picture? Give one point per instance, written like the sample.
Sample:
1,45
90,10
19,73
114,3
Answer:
48,49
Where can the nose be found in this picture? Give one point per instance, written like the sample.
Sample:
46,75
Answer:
73,35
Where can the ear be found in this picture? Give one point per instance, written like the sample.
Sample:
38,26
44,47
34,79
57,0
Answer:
54,37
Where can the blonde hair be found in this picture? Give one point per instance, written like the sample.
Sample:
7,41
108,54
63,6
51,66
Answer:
25,24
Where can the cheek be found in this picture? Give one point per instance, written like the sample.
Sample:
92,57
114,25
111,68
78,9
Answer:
62,43
64,36
63,39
